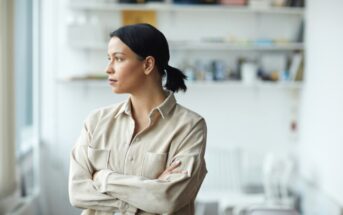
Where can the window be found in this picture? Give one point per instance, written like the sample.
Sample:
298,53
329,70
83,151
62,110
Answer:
26,58
23,66
19,98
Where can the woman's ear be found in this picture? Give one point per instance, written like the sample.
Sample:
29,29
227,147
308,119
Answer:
149,64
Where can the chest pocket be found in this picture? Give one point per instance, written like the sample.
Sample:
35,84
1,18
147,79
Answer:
98,158
154,164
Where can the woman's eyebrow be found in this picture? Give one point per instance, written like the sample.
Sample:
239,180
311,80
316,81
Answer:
114,53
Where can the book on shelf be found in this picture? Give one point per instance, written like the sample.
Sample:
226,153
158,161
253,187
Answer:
263,4
295,3
299,37
139,16
296,68
233,2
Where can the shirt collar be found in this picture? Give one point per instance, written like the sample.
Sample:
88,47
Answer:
125,108
164,108
167,105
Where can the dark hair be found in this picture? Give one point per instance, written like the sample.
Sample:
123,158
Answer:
145,40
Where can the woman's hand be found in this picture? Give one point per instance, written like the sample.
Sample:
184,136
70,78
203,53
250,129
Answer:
171,169
95,174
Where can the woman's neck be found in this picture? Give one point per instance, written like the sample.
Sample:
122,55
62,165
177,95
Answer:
143,103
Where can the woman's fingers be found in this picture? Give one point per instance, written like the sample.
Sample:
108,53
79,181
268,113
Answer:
174,165
179,171
95,174
172,170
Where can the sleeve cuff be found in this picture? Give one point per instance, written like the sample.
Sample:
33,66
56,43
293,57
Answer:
100,180
128,209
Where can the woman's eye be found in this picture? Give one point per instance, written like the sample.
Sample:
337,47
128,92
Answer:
118,59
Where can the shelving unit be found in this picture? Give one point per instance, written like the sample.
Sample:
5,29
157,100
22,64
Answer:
220,46
168,7
190,44
196,84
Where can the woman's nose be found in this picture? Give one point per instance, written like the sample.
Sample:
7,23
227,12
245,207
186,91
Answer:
109,69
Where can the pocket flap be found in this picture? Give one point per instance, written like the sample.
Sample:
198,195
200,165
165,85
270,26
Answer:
98,158
154,164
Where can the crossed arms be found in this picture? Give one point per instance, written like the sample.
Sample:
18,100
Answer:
112,192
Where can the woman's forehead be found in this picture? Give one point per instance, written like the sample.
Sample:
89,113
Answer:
115,45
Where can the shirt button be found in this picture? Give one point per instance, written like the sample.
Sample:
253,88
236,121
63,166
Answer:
138,139
131,159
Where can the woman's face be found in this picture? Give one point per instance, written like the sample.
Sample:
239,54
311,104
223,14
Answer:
125,70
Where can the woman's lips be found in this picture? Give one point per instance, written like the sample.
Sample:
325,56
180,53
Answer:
112,81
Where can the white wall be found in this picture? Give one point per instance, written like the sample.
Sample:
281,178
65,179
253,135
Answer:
322,106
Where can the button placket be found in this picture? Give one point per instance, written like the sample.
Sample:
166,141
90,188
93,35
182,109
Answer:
128,151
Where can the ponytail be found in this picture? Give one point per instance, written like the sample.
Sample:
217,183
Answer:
175,79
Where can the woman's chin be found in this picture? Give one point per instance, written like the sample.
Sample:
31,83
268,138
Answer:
116,90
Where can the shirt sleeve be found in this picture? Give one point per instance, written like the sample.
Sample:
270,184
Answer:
163,196
82,192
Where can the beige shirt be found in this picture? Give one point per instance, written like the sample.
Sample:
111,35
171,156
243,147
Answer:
129,166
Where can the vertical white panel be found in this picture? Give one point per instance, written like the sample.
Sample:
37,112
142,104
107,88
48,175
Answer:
322,111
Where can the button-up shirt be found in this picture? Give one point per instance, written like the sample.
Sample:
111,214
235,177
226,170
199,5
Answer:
128,167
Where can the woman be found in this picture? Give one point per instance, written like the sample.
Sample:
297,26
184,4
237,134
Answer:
144,155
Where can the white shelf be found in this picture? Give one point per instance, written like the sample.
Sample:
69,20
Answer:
257,84
234,46
184,8
205,46
201,84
